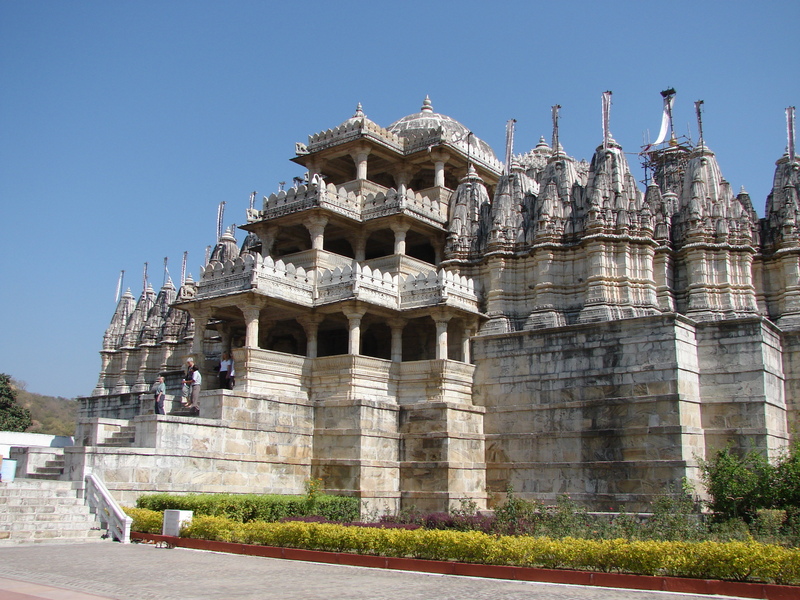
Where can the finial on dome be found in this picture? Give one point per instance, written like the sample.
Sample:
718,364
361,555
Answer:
427,107
743,191
359,112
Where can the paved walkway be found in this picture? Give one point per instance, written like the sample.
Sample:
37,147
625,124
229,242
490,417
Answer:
108,570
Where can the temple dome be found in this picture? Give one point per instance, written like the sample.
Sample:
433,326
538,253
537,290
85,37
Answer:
426,120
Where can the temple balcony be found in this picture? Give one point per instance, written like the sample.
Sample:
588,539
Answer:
319,286
359,200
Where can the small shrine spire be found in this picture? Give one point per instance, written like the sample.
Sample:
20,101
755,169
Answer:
166,272
427,107
144,279
790,133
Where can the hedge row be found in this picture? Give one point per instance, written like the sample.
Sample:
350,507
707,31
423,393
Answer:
255,507
738,561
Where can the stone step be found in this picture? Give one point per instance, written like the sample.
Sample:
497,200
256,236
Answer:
59,462
51,536
21,483
49,470
51,476
39,510
31,511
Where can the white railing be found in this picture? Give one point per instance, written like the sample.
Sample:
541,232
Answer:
109,513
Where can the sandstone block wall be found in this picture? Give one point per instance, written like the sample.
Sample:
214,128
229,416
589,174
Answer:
607,412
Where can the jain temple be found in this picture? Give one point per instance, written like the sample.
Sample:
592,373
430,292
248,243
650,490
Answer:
419,321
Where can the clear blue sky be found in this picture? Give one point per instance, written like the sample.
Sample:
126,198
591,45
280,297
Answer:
123,124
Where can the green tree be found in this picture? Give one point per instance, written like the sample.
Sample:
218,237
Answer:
13,417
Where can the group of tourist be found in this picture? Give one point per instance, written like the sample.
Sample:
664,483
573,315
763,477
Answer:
192,382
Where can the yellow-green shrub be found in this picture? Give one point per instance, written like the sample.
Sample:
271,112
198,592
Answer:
144,520
737,561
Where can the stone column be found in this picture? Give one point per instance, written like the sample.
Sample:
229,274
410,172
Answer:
360,247
441,321
201,318
400,230
268,241
439,160
360,155
465,347
224,330
397,326
310,324
251,314
316,228
401,179
354,316
438,249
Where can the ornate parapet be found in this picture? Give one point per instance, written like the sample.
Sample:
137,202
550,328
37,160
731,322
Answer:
438,287
359,200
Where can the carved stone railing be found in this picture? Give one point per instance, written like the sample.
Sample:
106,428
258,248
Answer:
108,512
437,287
314,287
360,200
351,130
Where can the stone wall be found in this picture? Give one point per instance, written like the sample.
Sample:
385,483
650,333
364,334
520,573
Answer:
608,413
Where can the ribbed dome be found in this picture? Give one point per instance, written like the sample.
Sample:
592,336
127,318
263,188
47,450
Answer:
426,119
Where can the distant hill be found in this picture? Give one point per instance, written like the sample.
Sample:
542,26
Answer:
50,414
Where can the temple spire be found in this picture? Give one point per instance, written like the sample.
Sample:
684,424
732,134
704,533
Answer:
790,133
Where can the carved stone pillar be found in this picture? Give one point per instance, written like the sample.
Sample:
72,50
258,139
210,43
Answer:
439,160
360,247
251,315
465,345
354,316
268,241
397,326
201,318
360,155
401,179
316,228
311,326
441,321
314,167
224,331
400,230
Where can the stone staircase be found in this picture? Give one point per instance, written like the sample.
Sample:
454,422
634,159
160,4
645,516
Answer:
40,510
52,469
124,438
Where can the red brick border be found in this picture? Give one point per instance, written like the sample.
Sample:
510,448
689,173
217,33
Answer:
766,591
